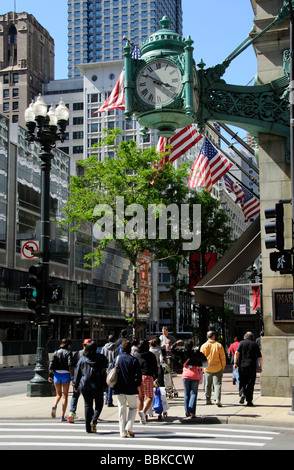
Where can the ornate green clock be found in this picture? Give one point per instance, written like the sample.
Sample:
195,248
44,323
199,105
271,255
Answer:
165,91
159,87
159,82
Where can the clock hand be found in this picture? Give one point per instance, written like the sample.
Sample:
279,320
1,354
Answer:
155,80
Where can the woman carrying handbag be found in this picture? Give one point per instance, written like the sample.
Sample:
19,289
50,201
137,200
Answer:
192,361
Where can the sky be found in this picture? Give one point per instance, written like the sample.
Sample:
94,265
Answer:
217,28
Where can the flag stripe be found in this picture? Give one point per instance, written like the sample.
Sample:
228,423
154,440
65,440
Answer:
116,99
208,167
181,142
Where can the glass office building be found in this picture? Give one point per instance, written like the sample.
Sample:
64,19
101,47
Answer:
96,27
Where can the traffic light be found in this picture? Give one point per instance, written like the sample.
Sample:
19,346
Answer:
27,293
276,227
34,293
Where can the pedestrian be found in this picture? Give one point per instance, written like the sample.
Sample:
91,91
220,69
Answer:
90,378
123,337
192,360
126,389
60,372
231,353
246,356
148,364
258,340
109,350
160,358
135,344
76,394
167,341
215,354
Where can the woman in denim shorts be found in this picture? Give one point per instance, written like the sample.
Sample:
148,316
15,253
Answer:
60,372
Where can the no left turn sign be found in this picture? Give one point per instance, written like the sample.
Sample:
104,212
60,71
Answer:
28,249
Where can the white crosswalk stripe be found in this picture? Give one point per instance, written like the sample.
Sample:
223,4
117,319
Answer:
153,437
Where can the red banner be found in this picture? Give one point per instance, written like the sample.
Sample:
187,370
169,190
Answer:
256,297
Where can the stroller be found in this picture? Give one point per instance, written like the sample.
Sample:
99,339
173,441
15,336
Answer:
171,391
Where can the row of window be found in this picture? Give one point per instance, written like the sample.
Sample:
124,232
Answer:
6,106
6,92
10,78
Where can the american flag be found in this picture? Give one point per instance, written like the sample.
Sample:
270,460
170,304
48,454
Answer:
209,167
233,187
116,99
250,205
181,142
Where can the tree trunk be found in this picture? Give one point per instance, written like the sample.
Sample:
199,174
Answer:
135,312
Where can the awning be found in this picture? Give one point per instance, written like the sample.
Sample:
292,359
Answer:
230,267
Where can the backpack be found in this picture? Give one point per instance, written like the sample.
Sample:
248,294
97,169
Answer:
92,377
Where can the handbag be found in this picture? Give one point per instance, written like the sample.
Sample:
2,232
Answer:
112,375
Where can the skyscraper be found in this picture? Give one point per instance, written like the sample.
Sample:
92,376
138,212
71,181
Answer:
26,62
96,27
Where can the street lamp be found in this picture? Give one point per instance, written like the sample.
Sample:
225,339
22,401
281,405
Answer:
46,128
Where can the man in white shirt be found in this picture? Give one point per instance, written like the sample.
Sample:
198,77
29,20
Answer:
166,342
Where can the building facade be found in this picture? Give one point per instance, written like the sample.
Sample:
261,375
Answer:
96,27
26,62
277,345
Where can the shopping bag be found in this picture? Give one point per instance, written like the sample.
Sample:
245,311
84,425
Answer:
157,403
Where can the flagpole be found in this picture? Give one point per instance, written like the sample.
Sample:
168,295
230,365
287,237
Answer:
237,152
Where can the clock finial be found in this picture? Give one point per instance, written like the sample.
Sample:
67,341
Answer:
165,22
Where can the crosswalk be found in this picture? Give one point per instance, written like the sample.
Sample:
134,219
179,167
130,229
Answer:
176,438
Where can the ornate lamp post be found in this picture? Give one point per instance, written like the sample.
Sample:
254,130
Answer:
46,129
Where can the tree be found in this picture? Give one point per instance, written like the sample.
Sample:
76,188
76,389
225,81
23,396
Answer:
215,237
117,195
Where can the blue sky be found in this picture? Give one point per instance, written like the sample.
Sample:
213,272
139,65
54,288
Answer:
217,27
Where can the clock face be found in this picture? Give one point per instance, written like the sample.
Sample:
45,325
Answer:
159,82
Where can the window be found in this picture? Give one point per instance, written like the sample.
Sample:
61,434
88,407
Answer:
15,77
77,149
78,120
78,106
6,93
78,135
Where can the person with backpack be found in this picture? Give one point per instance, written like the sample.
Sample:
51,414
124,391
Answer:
109,350
75,396
90,376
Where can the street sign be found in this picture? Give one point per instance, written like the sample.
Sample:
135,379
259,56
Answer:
242,309
29,249
54,255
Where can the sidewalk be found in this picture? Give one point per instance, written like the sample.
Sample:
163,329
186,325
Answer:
268,411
